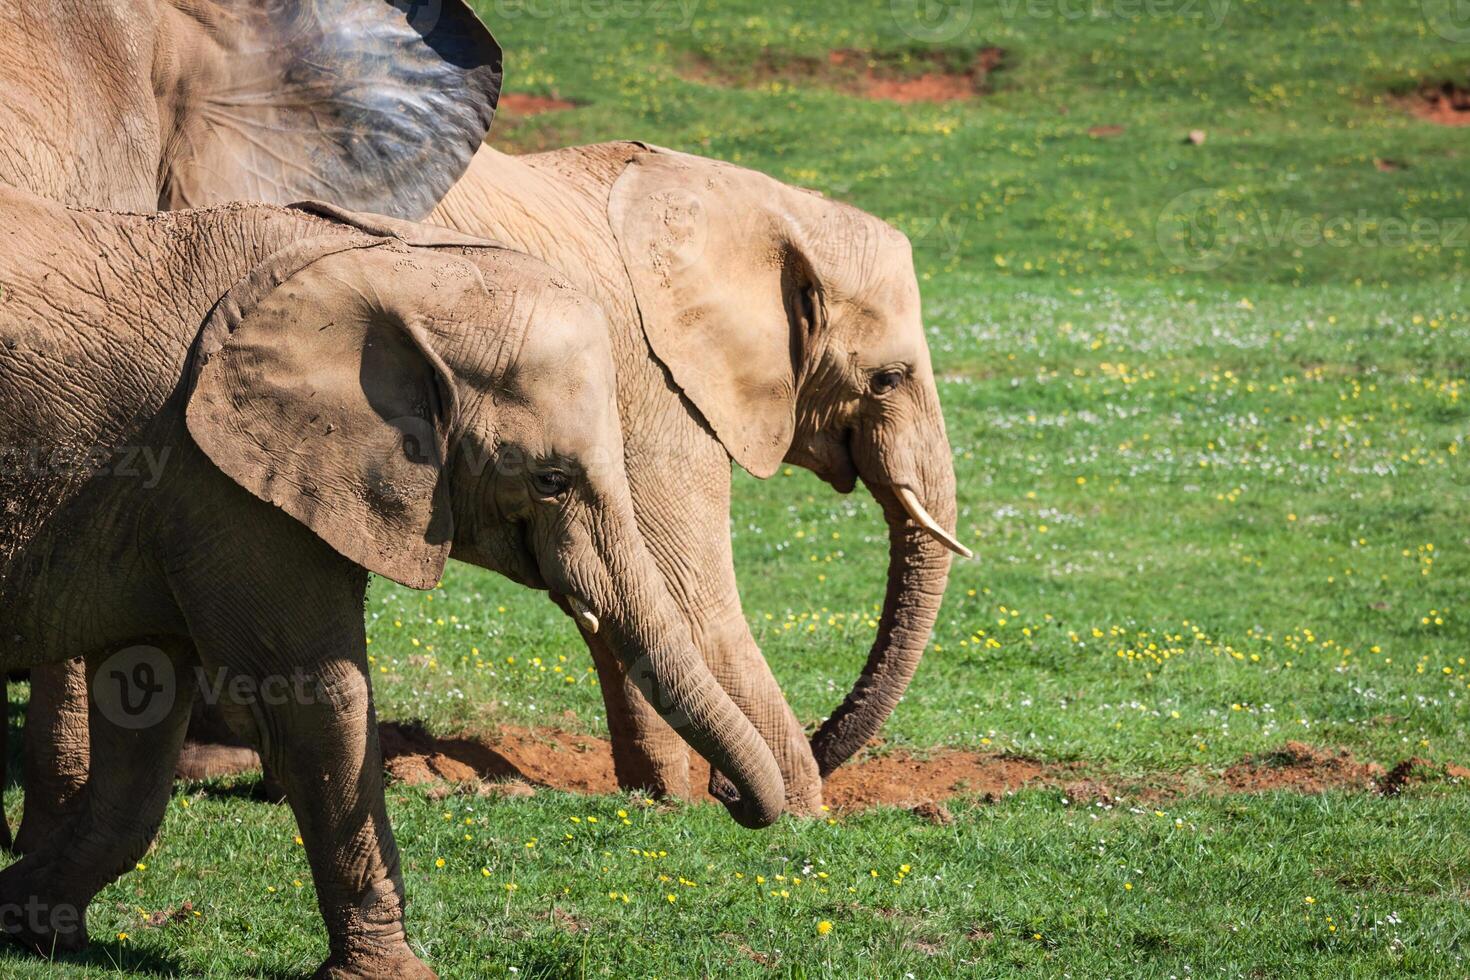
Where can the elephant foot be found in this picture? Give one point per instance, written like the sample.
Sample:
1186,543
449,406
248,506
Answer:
35,920
398,965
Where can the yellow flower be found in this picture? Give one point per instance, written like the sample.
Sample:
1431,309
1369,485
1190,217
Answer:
824,927
439,863
1310,900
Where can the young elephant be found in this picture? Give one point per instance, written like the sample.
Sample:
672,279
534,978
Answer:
133,105
758,322
215,424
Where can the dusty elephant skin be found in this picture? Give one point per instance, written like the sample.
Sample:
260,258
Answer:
140,105
327,401
753,321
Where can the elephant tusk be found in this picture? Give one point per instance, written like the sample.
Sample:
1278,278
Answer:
921,517
585,616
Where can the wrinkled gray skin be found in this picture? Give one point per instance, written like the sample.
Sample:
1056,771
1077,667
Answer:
145,104
750,321
216,423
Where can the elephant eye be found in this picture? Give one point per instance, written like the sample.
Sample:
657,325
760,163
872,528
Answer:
886,380
551,483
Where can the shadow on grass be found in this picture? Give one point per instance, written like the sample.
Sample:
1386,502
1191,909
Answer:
112,956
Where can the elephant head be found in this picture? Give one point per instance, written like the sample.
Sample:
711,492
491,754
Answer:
793,325
409,403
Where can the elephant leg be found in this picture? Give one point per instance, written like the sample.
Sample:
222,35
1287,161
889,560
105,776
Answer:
326,735
44,896
648,755
55,746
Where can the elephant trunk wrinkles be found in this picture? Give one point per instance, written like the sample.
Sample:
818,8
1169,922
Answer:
651,640
918,570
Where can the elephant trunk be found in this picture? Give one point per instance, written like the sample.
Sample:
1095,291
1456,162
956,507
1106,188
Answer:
636,616
918,570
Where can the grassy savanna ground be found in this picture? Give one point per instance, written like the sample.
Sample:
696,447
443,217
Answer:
1209,407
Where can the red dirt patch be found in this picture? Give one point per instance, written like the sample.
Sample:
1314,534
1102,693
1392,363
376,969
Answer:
520,104
900,779
577,763
903,77
1300,768
1446,103
513,761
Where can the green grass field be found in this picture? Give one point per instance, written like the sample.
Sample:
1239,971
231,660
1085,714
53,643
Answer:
1212,423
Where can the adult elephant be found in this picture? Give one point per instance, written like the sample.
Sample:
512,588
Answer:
756,322
142,105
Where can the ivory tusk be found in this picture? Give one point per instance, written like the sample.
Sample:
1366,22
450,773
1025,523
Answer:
585,616
921,517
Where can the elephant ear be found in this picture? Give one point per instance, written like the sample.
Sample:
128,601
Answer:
375,105
719,265
318,392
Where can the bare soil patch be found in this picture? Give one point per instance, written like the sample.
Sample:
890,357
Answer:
521,104
515,761
552,758
1445,103
926,75
1301,768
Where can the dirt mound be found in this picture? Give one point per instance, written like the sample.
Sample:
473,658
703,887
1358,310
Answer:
1445,103
1301,768
520,104
899,76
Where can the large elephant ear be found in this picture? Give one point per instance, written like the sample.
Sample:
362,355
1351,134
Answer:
319,392
375,105
718,261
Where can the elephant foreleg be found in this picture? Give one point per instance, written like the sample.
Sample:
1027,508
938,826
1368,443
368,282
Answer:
135,739
55,747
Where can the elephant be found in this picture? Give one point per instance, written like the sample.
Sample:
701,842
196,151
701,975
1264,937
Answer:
757,322
143,105
316,395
